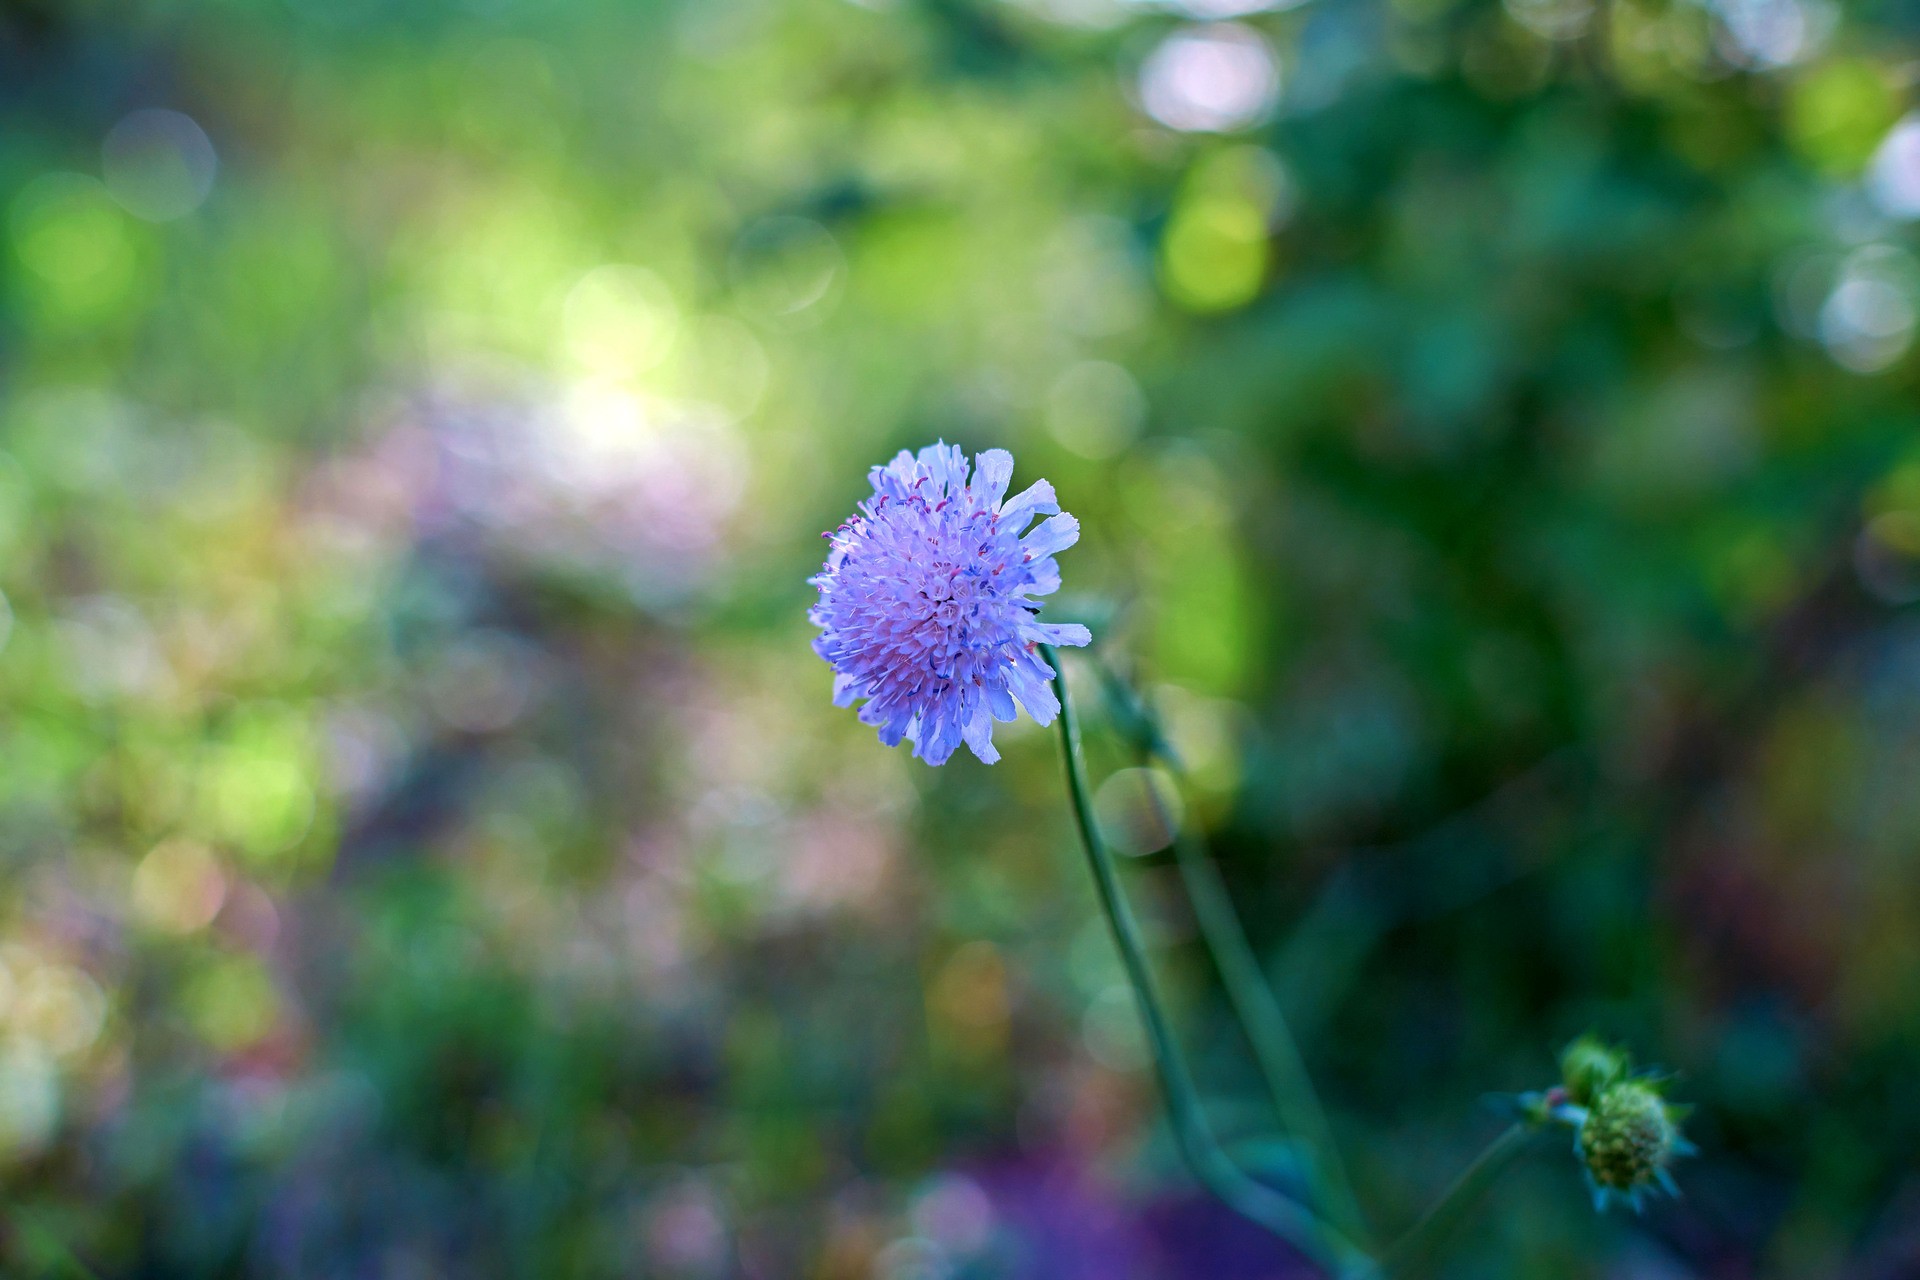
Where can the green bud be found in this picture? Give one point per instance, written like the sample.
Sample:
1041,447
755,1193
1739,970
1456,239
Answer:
1589,1065
1627,1142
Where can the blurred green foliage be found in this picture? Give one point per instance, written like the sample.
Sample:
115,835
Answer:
427,845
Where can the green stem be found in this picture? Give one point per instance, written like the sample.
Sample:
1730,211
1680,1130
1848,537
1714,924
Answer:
1275,1050
1415,1249
1265,1027
1208,1163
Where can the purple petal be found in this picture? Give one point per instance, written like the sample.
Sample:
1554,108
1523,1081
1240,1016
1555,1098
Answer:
979,735
896,478
927,603
1000,702
946,464
939,738
1028,679
1070,634
1036,499
993,471
1043,577
1057,534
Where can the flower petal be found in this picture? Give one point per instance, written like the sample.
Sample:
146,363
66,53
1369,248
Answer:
897,477
946,464
1043,577
1028,679
895,721
938,736
1057,534
1000,702
993,471
979,734
1036,499
1069,634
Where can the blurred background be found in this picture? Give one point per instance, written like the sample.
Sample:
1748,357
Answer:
427,848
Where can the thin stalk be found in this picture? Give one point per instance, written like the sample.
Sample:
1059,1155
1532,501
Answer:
1263,1024
1415,1249
1208,1163
1265,1027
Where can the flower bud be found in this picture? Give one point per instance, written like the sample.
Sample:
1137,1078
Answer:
1627,1142
1588,1066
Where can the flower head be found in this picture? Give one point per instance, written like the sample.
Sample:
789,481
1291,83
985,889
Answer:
926,603
1627,1142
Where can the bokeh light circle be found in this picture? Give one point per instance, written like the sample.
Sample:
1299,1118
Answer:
158,164
1212,79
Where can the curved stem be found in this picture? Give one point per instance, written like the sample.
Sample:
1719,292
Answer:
1265,1027
1208,1163
1412,1252
1275,1051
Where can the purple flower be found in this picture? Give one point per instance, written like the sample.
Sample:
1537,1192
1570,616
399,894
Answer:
926,605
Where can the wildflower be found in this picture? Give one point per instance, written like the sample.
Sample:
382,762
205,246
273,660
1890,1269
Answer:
926,605
1627,1141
